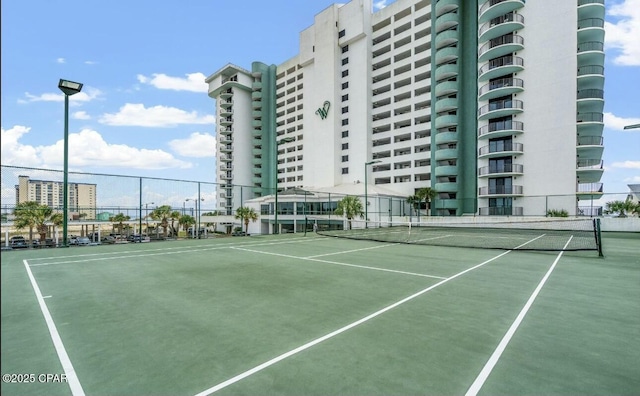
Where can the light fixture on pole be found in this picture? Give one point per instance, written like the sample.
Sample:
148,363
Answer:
68,88
366,201
633,126
278,142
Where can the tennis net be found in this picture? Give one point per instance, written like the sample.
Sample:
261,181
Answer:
539,234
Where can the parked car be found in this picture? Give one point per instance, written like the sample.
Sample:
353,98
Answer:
139,238
83,241
108,239
35,243
49,242
18,242
73,240
239,233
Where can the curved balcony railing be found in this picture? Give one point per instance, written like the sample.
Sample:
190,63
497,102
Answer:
591,46
508,125
501,105
590,69
590,23
508,18
500,190
502,40
590,94
505,168
590,141
587,2
501,83
590,117
587,164
504,148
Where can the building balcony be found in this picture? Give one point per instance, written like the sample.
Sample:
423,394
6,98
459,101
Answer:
501,211
491,151
256,95
500,26
446,21
446,104
589,170
226,131
500,109
226,111
446,88
500,46
225,176
446,71
502,170
445,6
500,129
590,100
446,137
494,8
256,85
446,38
446,120
226,158
226,195
591,53
590,76
447,55
590,146
503,66
447,153
226,103
590,123
227,93
226,139
226,149
500,87
589,190
226,121
590,29
590,8
226,167
504,191
256,114
446,170
448,187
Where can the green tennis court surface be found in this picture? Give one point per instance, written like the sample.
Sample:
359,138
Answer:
295,315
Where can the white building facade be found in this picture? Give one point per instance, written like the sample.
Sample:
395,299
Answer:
495,104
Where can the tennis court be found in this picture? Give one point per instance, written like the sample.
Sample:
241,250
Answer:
315,315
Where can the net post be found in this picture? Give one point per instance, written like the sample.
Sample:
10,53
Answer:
596,223
306,224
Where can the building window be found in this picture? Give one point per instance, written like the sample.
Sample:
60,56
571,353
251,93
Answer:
345,97
345,109
345,73
345,146
345,158
345,134
345,171
345,122
345,85
345,61
345,49
341,33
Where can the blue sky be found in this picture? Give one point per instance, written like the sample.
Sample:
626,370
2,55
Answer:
144,108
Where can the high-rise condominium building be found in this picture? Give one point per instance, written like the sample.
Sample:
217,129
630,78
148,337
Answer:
82,196
495,104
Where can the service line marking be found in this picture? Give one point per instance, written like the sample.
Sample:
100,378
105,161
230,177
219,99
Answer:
350,251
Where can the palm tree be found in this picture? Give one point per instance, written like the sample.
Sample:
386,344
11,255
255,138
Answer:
245,213
162,213
175,215
414,201
350,207
186,221
621,207
119,219
427,194
33,215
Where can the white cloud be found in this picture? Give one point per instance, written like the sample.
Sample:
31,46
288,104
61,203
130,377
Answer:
632,180
611,121
81,115
135,114
60,60
86,95
197,145
622,34
627,164
377,5
86,149
90,62
194,82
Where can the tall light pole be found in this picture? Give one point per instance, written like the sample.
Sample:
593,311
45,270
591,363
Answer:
278,142
633,126
68,88
366,200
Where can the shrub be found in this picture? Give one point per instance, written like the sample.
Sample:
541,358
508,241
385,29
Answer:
557,213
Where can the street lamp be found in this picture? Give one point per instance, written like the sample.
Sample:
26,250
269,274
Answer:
278,142
366,202
68,88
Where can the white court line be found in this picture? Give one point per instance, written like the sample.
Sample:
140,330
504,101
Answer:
162,253
338,263
308,345
488,367
70,372
350,251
